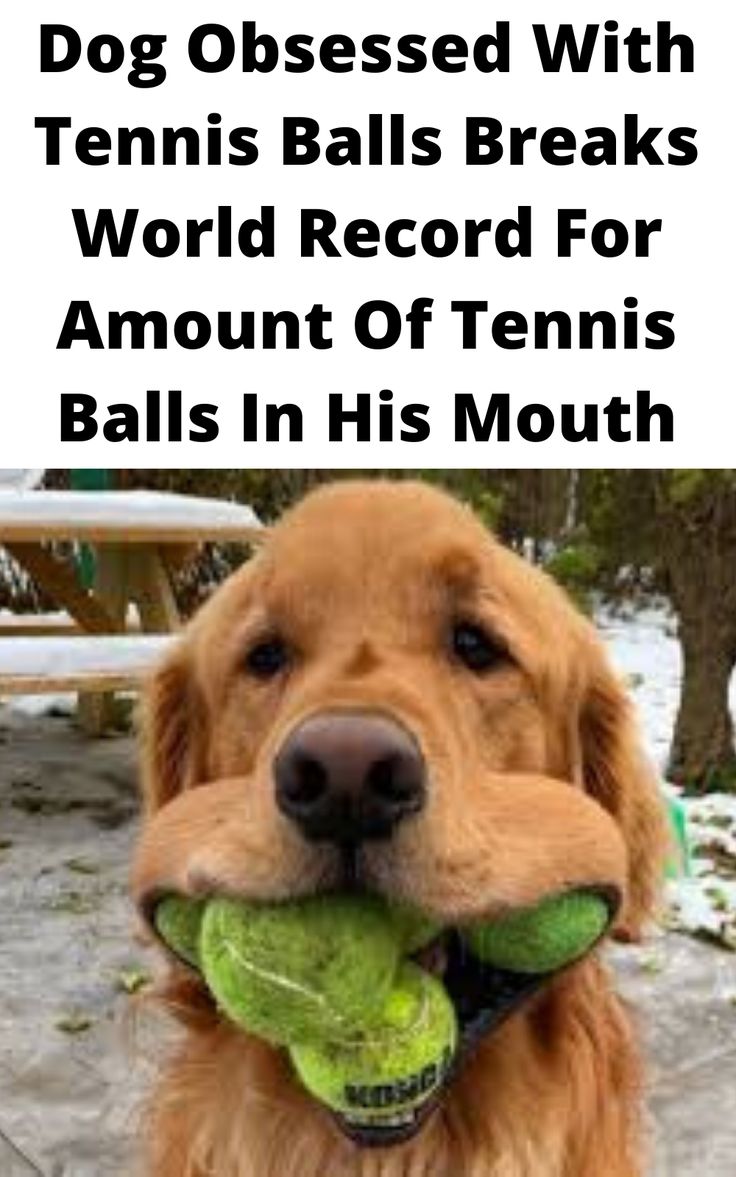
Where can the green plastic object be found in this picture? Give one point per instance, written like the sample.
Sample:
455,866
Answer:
85,557
679,862
92,479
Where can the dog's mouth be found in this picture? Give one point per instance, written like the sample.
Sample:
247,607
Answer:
382,1114
483,997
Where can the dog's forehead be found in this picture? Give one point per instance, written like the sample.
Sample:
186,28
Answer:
377,538
382,507
388,559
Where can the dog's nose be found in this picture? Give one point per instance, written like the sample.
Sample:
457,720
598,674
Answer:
346,778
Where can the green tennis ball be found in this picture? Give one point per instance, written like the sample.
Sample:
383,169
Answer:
415,929
178,922
394,1065
300,971
557,932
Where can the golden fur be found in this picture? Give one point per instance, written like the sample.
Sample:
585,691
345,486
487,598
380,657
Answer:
535,782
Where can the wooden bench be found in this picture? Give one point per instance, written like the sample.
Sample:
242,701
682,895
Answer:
56,665
30,625
136,541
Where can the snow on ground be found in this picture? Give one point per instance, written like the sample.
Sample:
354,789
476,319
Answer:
705,904
644,646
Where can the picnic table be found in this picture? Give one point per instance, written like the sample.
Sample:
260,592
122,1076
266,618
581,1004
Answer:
139,538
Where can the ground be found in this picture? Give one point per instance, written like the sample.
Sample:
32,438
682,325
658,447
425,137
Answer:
73,1061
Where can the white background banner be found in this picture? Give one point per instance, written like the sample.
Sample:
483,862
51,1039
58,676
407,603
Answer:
679,290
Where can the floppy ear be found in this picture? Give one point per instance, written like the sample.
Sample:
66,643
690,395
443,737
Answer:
174,716
616,773
172,722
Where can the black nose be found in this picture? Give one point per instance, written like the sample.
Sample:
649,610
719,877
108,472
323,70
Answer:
349,777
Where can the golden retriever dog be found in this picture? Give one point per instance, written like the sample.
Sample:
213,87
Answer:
385,698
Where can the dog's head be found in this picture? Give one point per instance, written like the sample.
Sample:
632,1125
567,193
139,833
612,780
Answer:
387,698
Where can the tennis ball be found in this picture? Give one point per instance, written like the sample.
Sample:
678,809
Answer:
415,929
392,1066
178,922
557,932
303,970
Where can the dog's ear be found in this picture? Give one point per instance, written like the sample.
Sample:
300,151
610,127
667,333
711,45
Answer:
175,721
172,730
615,771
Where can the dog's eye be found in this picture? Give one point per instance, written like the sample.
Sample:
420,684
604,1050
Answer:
268,658
475,649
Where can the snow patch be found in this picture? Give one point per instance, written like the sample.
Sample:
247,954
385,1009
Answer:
644,647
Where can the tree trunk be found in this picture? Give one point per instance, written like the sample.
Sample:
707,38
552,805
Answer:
703,757
697,523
